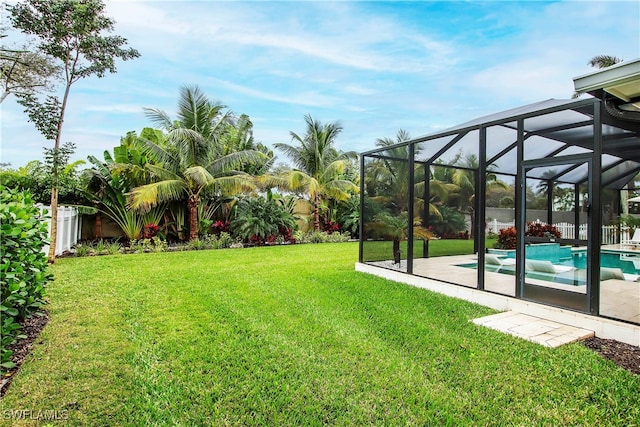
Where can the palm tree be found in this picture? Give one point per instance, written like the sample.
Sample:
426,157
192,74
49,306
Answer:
388,180
604,61
396,227
319,166
190,165
238,136
464,179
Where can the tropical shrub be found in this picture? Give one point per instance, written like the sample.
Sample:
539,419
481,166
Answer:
23,265
506,238
330,227
348,214
539,229
154,244
320,237
258,220
150,230
220,227
450,224
210,241
101,247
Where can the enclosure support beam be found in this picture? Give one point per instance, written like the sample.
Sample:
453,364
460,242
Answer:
410,213
595,214
480,205
520,210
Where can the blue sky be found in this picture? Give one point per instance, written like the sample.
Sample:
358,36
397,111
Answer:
375,67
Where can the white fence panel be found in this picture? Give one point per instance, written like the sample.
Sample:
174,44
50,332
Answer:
609,232
68,228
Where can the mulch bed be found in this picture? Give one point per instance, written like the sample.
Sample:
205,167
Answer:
31,328
626,356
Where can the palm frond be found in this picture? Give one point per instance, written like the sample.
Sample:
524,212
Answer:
157,153
604,61
159,118
235,184
161,173
198,177
235,160
339,189
190,145
146,196
293,153
281,182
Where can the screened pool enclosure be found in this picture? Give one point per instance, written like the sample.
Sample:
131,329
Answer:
531,203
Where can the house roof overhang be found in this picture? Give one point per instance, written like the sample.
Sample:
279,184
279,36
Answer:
620,80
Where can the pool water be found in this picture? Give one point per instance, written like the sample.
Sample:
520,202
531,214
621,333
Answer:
578,259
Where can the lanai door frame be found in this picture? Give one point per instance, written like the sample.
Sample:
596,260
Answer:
548,295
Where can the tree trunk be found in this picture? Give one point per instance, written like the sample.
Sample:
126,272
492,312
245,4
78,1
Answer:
396,251
51,256
53,236
316,214
97,229
192,206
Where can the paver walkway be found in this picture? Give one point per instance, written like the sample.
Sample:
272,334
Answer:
531,328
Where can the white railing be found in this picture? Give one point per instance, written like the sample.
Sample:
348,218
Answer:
609,232
68,228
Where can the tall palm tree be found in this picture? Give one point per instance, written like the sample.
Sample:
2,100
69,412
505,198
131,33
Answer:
319,166
238,136
190,164
392,179
465,180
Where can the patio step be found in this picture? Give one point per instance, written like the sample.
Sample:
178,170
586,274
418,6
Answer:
531,328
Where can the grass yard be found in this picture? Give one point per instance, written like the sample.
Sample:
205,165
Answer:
377,250
292,335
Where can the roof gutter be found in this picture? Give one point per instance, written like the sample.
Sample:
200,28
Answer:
618,86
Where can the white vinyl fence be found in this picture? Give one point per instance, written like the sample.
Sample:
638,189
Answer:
68,228
609,232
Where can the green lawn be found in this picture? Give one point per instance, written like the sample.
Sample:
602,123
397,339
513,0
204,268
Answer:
292,335
377,250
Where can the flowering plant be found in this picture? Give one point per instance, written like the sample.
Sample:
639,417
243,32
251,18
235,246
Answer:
220,227
150,230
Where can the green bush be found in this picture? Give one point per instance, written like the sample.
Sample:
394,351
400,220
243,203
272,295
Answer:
210,241
100,247
154,244
23,266
321,237
258,220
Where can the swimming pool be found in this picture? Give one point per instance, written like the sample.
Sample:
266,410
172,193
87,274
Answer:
628,263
